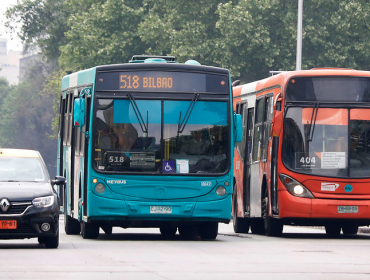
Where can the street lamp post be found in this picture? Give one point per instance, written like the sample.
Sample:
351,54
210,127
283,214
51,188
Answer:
299,36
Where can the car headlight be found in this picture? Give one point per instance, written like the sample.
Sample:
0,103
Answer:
41,202
221,190
294,187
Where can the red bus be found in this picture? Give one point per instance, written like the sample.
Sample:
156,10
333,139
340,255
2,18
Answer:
305,154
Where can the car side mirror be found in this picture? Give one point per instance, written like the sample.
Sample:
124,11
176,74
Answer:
59,180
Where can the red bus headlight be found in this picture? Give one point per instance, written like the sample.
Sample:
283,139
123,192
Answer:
294,187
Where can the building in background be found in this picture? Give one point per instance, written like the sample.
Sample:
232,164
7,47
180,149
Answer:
9,62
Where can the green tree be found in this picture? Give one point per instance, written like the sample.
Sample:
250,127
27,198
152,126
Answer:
185,29
258,36
106,33
42,24
26,116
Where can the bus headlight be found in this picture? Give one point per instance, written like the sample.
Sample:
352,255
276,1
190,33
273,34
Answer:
221,191
294,187
100,188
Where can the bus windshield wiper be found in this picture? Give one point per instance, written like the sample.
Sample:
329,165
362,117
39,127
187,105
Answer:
144,127
182,123
313,121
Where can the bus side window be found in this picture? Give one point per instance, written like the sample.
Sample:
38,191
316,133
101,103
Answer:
258,130
268,112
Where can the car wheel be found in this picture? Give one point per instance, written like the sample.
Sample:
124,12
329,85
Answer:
208,230
52,242
89,230
273,227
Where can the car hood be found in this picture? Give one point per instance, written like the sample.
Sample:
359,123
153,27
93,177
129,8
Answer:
21,191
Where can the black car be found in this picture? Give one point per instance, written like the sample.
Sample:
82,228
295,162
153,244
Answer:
29,205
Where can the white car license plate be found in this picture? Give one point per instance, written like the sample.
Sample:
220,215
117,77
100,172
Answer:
160,209
347,209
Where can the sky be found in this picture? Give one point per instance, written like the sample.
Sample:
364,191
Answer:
15,44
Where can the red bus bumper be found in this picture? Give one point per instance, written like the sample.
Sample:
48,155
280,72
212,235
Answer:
297,207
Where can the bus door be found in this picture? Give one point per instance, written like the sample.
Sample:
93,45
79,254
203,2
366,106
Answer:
248,115
255,178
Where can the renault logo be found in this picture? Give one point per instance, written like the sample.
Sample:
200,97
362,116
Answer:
4,204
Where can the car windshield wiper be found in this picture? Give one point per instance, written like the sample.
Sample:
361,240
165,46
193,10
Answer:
182,123
144,127
313,122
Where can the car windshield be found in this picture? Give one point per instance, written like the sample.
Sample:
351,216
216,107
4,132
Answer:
18,169
144,136
329,142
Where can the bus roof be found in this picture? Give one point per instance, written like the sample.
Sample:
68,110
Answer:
19,153
284,76
87,77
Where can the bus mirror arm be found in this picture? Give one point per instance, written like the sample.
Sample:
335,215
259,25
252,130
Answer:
238,128
277,118
277,123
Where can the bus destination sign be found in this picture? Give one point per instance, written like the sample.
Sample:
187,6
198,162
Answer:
162,81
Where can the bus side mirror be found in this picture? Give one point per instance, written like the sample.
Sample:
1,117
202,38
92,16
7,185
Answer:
277,123
79,112
238,127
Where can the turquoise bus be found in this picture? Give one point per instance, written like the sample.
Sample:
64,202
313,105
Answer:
147,144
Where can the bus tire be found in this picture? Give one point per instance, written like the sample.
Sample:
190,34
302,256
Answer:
332,229
273,227
168,231
240,225
208,230
89,230
188,231
350,229
258,226
71,225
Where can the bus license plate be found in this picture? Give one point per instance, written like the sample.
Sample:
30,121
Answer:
160,209
8,224
347,209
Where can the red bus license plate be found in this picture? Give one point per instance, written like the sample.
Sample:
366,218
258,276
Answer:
10,224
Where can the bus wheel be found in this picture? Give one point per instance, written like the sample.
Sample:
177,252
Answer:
273,227
258,226
332,229
89,230
107,229
71,225
168,231
208,230
188,231
241,225
350,229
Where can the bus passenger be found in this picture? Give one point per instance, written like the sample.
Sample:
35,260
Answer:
198,145
126,135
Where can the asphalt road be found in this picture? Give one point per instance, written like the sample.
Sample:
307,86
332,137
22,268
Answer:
302,253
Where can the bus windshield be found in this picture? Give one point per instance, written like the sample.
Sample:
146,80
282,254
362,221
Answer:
337,146
122,145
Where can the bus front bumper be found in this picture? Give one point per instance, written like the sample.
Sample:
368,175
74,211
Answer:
314,208
112,209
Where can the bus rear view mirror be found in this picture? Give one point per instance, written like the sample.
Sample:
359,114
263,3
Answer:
277,123
238,127
79,112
